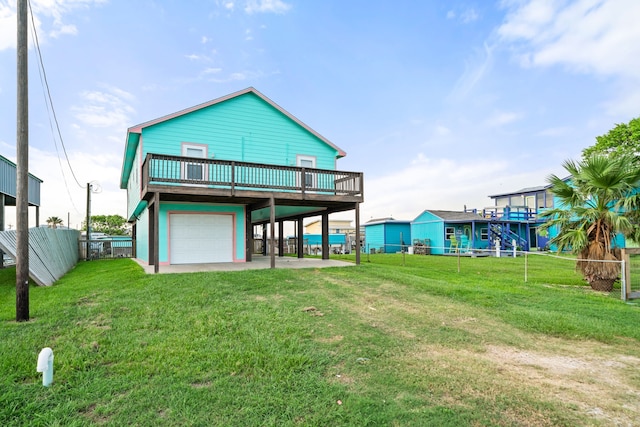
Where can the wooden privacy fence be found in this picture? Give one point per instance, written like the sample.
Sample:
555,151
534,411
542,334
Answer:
52,252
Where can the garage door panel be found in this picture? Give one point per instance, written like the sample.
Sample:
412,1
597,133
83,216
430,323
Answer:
201,238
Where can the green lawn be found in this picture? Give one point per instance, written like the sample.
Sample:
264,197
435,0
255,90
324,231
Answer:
377,344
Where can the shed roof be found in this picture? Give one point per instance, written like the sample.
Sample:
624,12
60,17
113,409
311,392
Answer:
455,215
377,221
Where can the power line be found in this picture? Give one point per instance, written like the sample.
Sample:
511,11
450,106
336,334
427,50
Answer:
43,75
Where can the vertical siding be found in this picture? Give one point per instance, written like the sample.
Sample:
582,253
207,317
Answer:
8,182
374,236
245,128
392,235
429,226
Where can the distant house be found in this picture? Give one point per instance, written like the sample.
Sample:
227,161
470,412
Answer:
8,190
387,235
336,226
442,228
200,179
521,209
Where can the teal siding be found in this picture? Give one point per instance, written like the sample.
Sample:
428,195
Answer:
374,236
142,236
428,226
245,128
393,238
166,208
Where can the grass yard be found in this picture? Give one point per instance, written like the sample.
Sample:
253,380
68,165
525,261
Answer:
380,344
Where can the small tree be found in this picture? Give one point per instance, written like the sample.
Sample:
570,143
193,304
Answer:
593,209
622,140
54,222
113,225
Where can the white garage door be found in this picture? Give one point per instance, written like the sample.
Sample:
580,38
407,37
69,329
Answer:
201,238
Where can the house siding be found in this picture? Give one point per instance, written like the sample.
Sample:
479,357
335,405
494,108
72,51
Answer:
429,226
245,128
393,236
374,236
142,236
133,187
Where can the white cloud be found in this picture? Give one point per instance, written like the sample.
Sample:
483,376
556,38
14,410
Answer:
503,118
555,131
266,6
50,17
469,15
466,16
441,130
475,70
588,36
102,109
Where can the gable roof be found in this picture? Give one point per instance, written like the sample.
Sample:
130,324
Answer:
523,191
134,132
454,215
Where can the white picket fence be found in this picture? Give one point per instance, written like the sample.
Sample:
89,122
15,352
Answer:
52,252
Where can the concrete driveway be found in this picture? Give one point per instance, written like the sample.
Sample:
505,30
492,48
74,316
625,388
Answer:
258,262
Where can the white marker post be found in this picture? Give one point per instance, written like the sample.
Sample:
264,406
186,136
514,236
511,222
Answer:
45,365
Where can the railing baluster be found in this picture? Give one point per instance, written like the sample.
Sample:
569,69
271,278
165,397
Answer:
231,174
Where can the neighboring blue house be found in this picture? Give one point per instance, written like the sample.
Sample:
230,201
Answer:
387,234
199,180
518,211
467,230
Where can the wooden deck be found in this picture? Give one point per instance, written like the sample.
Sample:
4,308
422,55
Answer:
197,179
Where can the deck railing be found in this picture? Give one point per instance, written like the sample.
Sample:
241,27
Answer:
237,176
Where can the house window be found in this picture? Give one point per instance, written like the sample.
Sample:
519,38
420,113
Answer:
307,162
448,232
484,234
193,170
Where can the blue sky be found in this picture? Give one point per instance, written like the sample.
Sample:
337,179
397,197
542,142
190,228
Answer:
439,103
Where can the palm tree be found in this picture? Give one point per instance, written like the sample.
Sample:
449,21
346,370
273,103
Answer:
595,205
54,222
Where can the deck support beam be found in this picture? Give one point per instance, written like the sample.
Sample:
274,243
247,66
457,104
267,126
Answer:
272,230
248,234
300,240
325,235
357,249
281,238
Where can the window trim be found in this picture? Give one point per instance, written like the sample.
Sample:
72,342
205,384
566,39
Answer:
448,232
184,173
310,178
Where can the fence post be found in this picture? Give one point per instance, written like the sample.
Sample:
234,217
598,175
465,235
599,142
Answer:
623,280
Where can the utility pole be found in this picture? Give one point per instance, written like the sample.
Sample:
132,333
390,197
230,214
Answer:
22,179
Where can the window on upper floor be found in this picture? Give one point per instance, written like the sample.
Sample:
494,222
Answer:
193,170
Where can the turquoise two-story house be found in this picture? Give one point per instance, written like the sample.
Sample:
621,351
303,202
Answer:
200,179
